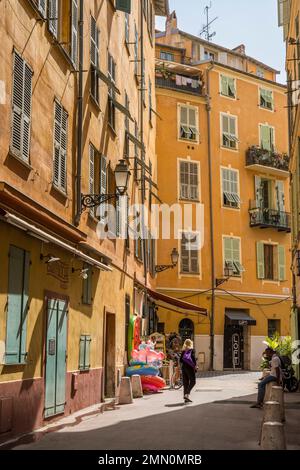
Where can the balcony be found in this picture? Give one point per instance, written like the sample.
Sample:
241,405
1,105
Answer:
269,218
264,161
191,85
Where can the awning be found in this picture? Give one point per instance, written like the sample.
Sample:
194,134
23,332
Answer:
176,302
46,237
239,317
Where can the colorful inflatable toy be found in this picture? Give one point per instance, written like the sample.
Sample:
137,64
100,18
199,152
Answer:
156,381
141,370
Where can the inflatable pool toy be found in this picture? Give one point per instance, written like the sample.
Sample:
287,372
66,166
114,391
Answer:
137,363
141,370
150,388
153,380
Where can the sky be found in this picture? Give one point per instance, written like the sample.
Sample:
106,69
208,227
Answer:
250,22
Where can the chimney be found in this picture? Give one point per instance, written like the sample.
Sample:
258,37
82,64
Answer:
241,49
171,23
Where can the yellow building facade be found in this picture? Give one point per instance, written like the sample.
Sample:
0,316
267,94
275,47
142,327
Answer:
222,142
68,116
289,14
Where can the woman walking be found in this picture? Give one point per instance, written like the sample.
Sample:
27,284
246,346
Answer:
189,367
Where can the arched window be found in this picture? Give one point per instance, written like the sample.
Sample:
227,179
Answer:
186,329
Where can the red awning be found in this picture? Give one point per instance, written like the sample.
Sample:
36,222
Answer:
176,302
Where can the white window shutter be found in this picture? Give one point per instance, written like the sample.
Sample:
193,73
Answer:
42,6
63,158
184,180
74,31
26,112
53,17
17,105
94,43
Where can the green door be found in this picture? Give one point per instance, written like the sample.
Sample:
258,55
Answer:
56,357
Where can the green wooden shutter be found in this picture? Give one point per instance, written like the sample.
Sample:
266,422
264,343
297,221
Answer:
53,17
265,137
224,85
258,191
17,310
88,341
280,196
81,352
17,105
228,256
281,263
123,5
260,260
74,31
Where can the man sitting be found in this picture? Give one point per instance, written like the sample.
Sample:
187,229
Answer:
275,376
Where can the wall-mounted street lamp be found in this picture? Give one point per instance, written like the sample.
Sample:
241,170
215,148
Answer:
122,175
174,259
228,271
83,273
49,259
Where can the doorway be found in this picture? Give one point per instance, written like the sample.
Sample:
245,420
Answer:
56,357
234,347
110,357
186,329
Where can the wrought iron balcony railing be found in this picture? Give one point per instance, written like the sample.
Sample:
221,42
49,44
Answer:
270,218
186,84
258,156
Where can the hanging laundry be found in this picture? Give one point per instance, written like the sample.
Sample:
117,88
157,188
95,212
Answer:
184,81
189,81
178,80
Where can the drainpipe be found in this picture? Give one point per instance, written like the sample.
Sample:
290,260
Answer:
79,119
211,216
143,82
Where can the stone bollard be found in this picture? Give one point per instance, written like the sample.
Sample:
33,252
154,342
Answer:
273,436
278,395
272,412
125,394
137,389
268,391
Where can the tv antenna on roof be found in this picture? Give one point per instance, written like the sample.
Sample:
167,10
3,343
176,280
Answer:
207,26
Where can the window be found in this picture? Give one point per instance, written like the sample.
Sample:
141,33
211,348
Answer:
208,55
274,328
189,180
167,56
123,5
189,253
21,108
127,106
87,285
232,255
84,352
266,99
127,28
60,147
230,188
271,264
229,131
188,123
228,86
17,305
267,137
111,92
94,60
260,73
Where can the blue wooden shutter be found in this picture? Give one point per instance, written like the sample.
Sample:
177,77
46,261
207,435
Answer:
18,295
61,356
123,5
